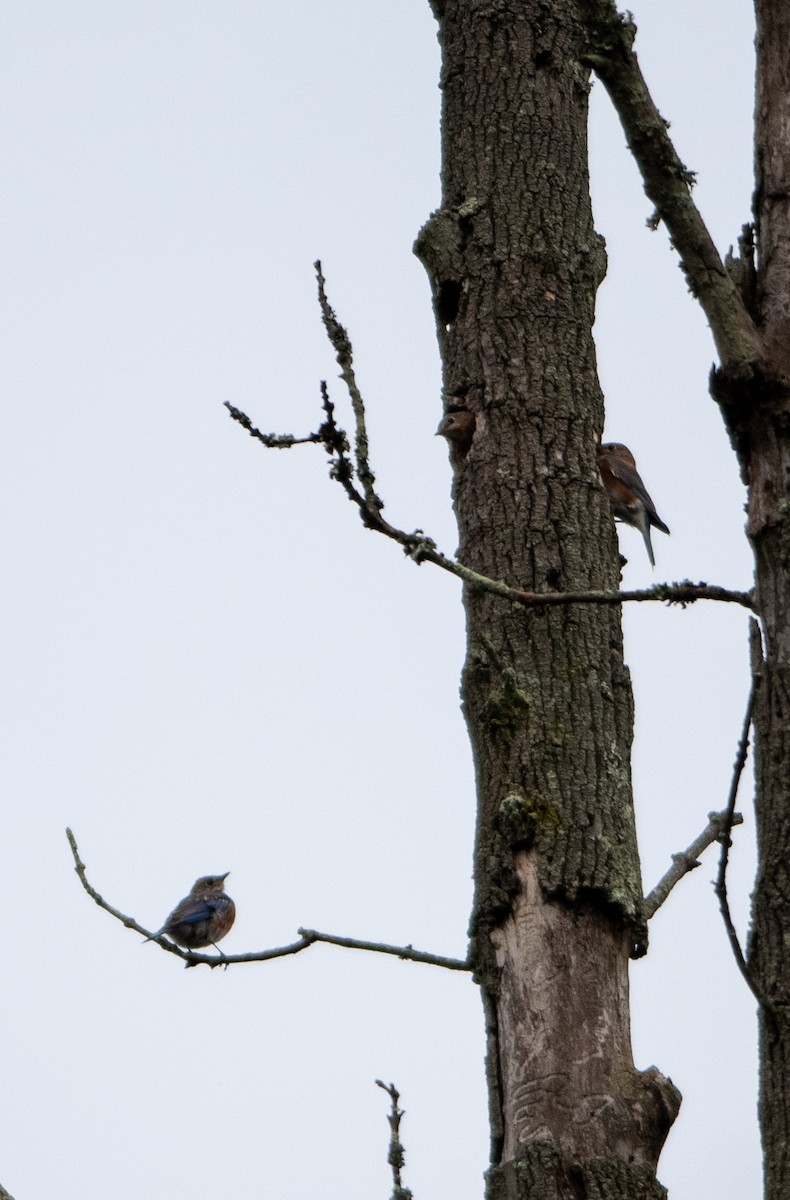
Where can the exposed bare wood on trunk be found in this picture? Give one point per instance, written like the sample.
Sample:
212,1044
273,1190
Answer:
564,1036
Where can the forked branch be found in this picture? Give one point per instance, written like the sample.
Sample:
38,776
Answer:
417,545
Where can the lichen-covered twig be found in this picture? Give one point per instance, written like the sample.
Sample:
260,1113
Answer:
396,1156
688,859
341,343
275,441
307,937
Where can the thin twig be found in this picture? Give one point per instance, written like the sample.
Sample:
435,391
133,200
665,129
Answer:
687,860
405,952
397,1155
307,937
720,886
274,441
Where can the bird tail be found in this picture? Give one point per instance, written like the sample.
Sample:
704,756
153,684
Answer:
642,522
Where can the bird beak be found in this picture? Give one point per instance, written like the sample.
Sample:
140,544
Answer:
225,876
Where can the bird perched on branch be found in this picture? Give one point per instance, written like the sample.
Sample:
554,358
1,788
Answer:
628,495
203,917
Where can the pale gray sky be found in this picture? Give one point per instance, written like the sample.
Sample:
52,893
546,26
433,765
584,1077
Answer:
210,665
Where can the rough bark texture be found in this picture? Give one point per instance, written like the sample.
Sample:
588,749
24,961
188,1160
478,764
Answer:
766,461
772,171
514,264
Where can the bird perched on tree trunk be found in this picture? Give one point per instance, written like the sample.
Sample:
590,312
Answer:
628,495
203,917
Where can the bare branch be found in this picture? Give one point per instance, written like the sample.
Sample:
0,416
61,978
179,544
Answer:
668,184
688,859
129,922
307,937
683,593
720,886
405,952
396,1156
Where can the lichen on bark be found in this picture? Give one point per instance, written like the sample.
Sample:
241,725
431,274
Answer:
514,264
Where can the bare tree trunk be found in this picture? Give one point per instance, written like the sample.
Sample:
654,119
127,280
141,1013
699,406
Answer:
515,264
765,457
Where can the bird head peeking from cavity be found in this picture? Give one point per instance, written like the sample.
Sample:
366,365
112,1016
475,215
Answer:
628,496
458,426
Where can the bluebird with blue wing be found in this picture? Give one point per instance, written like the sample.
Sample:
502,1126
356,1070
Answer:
203,917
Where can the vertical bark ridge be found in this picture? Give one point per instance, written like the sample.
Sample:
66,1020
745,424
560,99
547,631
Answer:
765,460
515,263
772,176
